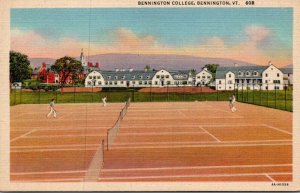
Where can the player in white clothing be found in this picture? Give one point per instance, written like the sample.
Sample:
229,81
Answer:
52,109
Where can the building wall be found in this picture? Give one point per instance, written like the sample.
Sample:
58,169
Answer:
203,77
94,79
272,78
162,74
220,84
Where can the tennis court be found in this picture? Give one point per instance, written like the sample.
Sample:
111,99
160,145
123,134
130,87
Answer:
158,141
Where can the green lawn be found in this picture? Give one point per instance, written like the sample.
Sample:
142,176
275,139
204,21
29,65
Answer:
275,99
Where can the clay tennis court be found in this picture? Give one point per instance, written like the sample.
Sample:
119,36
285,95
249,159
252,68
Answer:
179,141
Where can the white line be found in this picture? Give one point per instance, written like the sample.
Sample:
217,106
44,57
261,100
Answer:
53,146
50,150
270,178
49,180
16,138
180,112
195,167
191,176
210,134
277,129
48,172
161,133
212,145
62,136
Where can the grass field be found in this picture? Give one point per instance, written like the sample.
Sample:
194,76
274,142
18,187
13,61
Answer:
274,99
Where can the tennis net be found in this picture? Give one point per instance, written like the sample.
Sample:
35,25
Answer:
113,131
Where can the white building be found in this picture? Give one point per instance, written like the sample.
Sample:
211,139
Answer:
203,78
249,77
287,75
131,78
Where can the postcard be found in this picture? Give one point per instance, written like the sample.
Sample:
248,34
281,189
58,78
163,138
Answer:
135,95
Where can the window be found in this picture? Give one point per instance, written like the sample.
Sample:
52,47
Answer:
198,77
94,77
162,76
204,77
89,83
156,83
266,81
248,73
145,82
240,73
150,82
220,82
110,82
148,77
255,73
168,82
229,75
122,82
116,77
278,75
141,77
90,77
157,76
123,77
276,81
266,75
133,77
116,82
99,82
133,82
229,82
167,76
140,82
108,77
208,77
98,77
106,83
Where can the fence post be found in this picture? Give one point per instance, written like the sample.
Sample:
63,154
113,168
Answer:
267,95
133,94
150,92
92,93
74,91
253,92
167,92
285,87
14,96
275,95
217,94
243,92
260,94
21,95
39,95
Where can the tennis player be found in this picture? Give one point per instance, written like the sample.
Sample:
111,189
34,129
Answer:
104,101
52,109
232,102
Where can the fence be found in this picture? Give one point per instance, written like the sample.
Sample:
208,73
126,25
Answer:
256,94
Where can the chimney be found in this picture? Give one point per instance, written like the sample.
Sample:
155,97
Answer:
205,69
270,63
117,69
97,64
130,69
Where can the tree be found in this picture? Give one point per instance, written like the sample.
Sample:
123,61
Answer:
147,68
20,69
212,68
66,67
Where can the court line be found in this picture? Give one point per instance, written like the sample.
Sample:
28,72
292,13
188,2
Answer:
55,150
270,178
62,136
218,140
51,146
48,172
49,180
192,145
192,176
180,112
195,167
16,138
161,133
277,129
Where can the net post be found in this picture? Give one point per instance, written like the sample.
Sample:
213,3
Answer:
107,139
102,152
285,88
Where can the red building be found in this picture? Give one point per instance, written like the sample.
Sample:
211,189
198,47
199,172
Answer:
45,74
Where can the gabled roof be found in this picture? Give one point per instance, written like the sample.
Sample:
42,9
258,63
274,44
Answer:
126,75
221,71
286,70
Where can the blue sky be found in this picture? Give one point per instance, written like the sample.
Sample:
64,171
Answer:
170,27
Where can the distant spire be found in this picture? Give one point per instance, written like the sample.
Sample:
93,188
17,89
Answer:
82,60
270,63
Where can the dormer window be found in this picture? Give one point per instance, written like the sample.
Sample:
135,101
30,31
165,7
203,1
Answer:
108,77
240,73
123,77
148,77
255,73
133,77
141,77
248,73
116,77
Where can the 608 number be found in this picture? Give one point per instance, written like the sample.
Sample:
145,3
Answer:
249,2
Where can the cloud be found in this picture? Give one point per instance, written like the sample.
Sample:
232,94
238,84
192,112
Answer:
123,40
